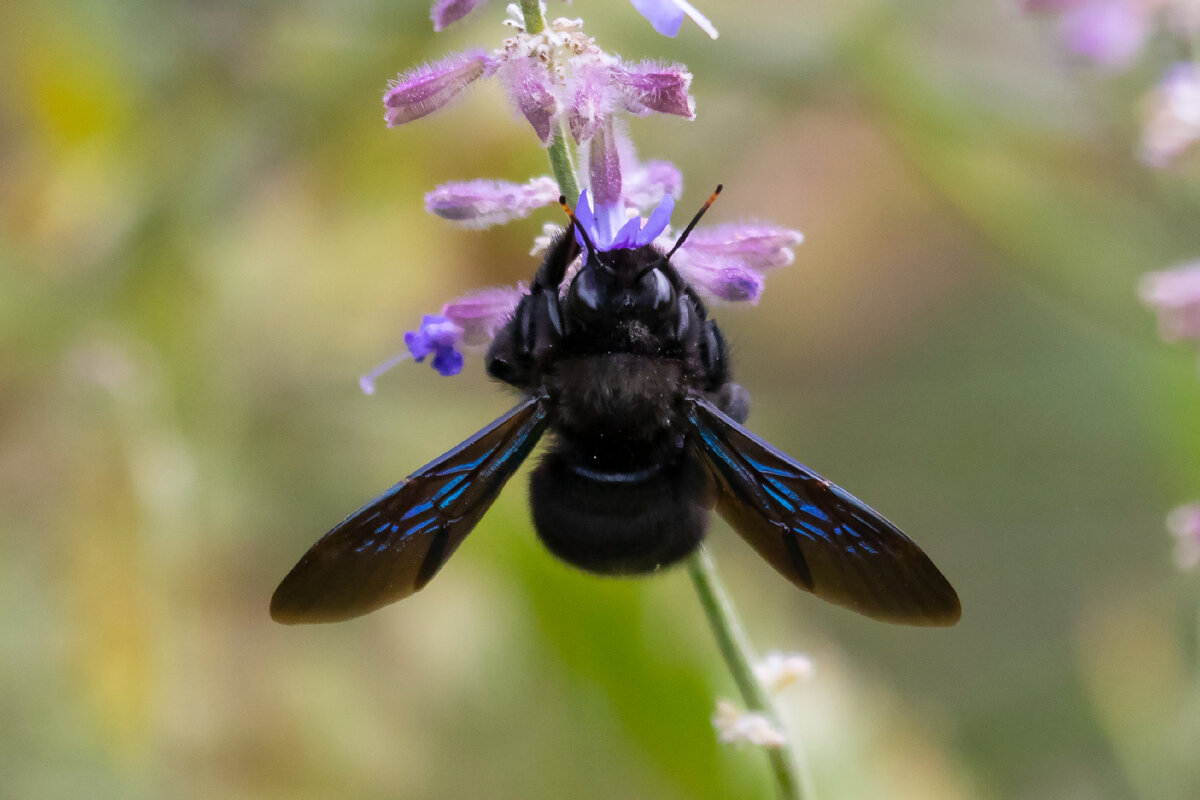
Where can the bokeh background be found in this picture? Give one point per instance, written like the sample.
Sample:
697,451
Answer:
207,234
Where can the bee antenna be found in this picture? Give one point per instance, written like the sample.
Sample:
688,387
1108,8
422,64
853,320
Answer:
712,198
587,240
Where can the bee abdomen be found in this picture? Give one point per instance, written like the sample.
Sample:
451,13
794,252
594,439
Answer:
625,522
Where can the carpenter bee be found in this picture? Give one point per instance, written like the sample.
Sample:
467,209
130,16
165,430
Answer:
630,374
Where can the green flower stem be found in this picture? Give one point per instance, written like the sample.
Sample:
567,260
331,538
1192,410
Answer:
563,168
739,654
561,163
532,11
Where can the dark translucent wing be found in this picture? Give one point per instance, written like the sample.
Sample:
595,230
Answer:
816,534
392,546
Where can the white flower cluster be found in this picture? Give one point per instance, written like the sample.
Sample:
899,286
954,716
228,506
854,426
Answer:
776,672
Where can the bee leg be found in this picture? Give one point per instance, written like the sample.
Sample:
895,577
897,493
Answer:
563,250
536,327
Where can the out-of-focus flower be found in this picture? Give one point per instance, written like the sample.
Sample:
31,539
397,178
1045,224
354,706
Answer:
727,262
779,670
480,314
1184,525
445,12
425,89
482,203
721,278
1171,115
1109,33
667,16
737,726
1175,295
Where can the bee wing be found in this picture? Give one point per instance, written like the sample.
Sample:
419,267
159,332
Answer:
392,546
816,534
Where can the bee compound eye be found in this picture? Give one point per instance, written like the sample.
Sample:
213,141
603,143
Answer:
655,291
587,295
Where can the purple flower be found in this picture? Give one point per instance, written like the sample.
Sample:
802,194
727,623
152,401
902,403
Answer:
1171,115
727,262
1184,525
648,87
645,185
445,12
1175,295
436,335
531,87
720,278
591,97
482,203
423,90
1109,33
633,233
755,245
480,314
667,16
439,336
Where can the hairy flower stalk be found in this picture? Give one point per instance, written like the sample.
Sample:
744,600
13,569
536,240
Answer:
764,727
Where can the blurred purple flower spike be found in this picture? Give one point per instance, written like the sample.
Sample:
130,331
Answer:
755,245
480,314
1171,115
727,262
721,278
425,89
1175,295
1109,33
483,203
667,16
445,12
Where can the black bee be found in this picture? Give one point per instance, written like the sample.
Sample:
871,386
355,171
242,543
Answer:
632,377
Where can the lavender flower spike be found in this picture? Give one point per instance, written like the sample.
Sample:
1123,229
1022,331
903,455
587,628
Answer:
727,262
482,203
667,16
755,245
720,278
421,91
444,12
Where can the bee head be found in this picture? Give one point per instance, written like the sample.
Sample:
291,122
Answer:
620,285
625,283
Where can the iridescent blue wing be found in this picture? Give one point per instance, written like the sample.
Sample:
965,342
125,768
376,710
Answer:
816,534
392,546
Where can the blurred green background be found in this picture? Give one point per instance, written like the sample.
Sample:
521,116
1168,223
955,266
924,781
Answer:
207,234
